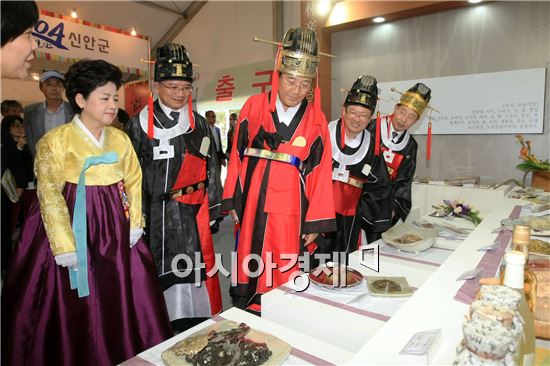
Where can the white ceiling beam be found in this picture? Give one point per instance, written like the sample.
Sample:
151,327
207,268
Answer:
158,7
179,24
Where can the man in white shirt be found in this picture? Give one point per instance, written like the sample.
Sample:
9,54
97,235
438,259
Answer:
41,117
399,147
178,160
358,175
278,186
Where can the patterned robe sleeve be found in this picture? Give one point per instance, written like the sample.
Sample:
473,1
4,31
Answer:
132,183
214,183
48,168
375,205
320,214
402,201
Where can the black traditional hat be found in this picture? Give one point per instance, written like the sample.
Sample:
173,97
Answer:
173,63
364,93
416,98
299,53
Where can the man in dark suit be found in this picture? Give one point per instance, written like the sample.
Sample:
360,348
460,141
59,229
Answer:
211,119
43,116
232,123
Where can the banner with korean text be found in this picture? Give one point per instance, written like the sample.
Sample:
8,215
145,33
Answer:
504,102
229,89
61,38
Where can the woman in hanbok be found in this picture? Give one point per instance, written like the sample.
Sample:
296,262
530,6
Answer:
81,288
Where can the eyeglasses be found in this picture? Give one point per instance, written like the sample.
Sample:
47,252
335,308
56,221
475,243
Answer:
291,83
175,89
360,116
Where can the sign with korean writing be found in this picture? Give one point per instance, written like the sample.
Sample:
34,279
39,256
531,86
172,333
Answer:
224,91
62,38
506,102
230,87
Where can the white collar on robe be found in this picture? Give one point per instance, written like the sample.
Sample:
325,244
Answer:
166,133
99,143
385,135
353,142
338,154
182,112
286,116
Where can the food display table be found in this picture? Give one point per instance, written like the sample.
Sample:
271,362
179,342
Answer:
350,326
433,305
375,333
342,316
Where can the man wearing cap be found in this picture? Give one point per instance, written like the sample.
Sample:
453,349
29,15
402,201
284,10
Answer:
278,185
356,170
178,160
399,149
41,117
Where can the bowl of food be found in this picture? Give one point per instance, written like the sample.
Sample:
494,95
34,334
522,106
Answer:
389,286
333,275
408,238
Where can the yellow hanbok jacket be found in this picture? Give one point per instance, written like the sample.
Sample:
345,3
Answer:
59,159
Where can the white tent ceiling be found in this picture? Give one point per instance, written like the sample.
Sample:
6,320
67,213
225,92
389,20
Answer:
150,18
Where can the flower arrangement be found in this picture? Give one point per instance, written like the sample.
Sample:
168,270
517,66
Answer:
530,162
459,209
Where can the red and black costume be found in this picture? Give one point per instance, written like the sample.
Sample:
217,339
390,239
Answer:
277,201
400,159
357,174
178,159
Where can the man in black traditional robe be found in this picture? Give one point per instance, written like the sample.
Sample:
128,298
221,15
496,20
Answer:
356,170
180,195
399,150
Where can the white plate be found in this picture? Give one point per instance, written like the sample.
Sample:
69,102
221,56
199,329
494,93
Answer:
427,237
322,276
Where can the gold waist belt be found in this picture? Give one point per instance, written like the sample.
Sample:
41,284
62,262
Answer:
355,182
277,156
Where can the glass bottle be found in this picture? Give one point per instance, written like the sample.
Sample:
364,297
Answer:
521,238
513,278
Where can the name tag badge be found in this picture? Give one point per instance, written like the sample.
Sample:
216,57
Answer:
340,175
205,145
366,169
388,156
163,152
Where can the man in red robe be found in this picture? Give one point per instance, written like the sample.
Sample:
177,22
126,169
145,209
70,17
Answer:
278,185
